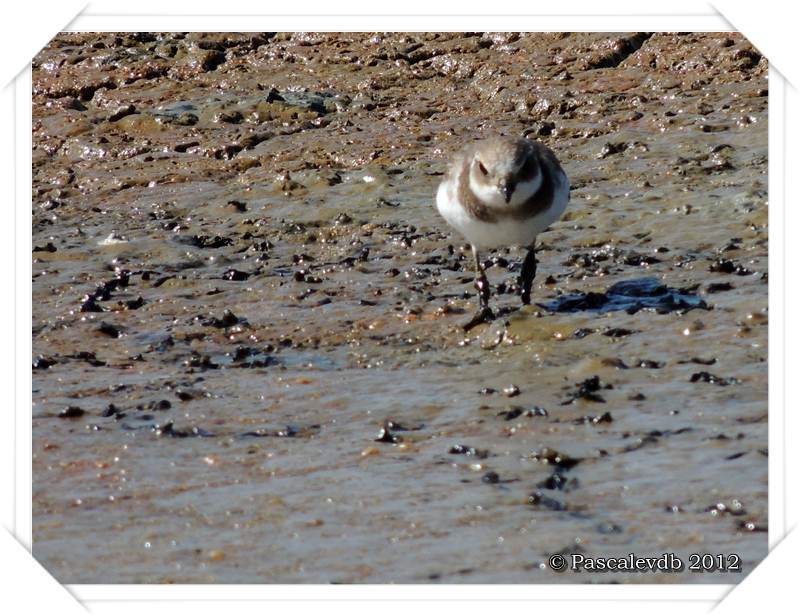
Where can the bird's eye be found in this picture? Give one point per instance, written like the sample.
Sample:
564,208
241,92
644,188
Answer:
482,168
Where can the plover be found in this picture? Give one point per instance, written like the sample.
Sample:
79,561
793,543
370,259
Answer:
503,191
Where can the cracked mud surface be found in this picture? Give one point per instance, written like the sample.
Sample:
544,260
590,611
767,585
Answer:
248,365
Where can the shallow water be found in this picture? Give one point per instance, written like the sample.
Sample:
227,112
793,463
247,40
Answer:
298,290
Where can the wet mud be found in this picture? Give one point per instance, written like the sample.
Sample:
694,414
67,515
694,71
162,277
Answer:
249,362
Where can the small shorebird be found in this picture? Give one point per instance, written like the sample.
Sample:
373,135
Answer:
503,191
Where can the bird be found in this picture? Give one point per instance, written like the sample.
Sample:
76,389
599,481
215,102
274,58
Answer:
503,191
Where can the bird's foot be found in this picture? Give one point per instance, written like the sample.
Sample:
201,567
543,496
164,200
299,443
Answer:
484,315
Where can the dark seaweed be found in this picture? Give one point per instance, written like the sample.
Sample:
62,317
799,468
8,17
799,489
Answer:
630,296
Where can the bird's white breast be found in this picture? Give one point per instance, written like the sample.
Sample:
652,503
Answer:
506,232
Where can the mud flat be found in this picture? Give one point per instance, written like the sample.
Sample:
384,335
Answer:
248,365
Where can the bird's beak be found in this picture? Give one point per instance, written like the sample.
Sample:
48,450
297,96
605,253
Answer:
507,191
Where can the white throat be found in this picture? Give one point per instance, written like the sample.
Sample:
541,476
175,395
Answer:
493,197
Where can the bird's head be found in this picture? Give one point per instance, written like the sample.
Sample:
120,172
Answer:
504,173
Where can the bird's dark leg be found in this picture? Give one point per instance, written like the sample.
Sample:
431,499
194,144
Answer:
527,274
481,282
484,292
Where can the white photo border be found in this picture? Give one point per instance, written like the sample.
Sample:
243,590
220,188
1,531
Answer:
18,424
